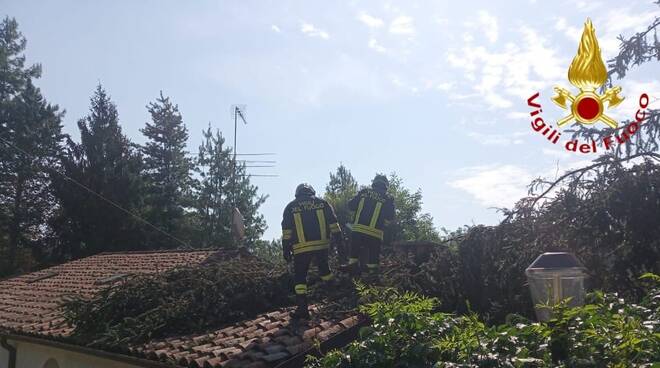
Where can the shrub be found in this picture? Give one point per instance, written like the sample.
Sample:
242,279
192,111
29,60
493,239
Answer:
406,332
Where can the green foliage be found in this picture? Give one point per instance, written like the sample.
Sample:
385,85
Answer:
28,123
407,332
219,190
341,188
167,172
107,163
181,301
410,222
608,219
270,251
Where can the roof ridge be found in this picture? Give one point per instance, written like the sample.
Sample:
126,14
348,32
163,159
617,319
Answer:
151,251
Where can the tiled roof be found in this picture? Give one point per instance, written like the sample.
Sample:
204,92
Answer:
263,342
29,303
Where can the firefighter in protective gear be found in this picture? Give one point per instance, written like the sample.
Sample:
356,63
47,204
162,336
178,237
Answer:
374,210
308,227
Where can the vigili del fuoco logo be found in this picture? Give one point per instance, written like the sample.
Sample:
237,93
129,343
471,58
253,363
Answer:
588,74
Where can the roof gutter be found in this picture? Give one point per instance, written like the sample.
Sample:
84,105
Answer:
12,352
128,359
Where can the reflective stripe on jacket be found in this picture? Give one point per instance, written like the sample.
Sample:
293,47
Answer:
308,223
373,211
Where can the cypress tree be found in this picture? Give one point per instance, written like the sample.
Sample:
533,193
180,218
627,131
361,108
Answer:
167,171
106,162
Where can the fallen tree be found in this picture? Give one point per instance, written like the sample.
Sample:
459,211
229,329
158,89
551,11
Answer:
181,301
607,214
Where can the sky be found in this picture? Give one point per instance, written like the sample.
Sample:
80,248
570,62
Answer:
435,91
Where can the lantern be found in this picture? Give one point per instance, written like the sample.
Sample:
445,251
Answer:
554,277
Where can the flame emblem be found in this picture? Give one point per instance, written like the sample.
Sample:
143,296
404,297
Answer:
587,72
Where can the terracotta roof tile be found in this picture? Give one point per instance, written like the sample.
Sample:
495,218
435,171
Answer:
251,344
29,304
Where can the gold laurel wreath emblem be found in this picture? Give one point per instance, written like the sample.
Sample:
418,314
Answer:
587,72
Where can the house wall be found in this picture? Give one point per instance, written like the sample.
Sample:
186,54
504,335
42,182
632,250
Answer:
30,355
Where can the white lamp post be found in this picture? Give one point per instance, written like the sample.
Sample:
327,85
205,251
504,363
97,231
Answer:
554,277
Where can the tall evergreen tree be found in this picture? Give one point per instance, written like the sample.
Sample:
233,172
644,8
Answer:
30,133
339,190
106,163
167,171
219,191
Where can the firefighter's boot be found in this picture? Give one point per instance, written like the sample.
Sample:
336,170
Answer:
301,311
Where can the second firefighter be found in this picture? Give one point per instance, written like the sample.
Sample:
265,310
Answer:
374,210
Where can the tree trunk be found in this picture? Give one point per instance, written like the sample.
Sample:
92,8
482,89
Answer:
15,226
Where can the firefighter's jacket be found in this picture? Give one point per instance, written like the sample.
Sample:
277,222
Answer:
308,225
373,211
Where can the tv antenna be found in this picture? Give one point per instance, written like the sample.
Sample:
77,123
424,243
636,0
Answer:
237,228
237,224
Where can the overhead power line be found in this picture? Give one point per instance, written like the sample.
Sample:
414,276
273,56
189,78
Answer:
98,195
256,154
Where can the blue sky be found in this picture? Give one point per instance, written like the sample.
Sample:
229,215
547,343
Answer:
435,91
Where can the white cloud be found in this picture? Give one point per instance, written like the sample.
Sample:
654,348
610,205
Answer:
571,32
608,27
517,115
589,6
374,45
445,86
494,185
620,21
510,73
402,25
275,28
488,24
370,21
311,30
502,185
498,139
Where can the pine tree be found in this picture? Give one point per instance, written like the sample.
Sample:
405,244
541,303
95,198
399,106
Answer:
30,133
341,188
167,171
105,162
218,192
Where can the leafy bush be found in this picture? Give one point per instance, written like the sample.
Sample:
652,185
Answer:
607,217
407,332
180,301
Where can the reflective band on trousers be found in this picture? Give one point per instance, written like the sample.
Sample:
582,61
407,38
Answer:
364,229
310,246
301,289
327,277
